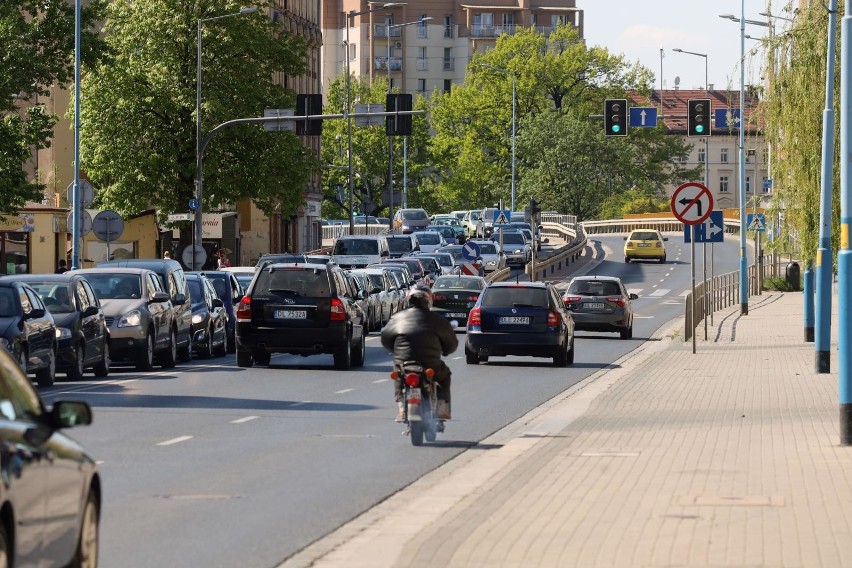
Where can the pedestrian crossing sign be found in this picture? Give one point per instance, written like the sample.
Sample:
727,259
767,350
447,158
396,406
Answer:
756,222
502,217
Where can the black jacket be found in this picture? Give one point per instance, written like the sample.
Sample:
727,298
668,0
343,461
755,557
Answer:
419,335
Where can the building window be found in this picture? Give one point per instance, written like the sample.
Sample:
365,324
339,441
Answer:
556,21
723,184
421,86
422,59
448,26
448,84
534,20
448,59
353,51
421,27
701,155
724,156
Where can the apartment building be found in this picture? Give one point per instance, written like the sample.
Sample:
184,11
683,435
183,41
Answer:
423,57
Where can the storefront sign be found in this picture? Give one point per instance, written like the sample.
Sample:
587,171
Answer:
24,222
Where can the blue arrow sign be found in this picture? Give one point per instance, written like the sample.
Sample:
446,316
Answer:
643,117
710,231
727,117
767,183
470,251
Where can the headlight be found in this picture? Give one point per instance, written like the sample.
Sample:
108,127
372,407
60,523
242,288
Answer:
131,319
197,318
63,333
518,252
491,263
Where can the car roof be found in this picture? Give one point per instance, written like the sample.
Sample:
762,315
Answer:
64,277
154,264
518,285
459,277
599,278
111,270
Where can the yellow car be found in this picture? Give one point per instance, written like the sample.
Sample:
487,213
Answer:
645,244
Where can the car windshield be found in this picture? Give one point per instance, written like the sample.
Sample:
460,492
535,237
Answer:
221,286
513,239
594,288
195,291
475,215
487,248
414,215
115,286
456,252
376,281
7,303
400,245
443,259
456,283
429,238
356,246
414,266
429,264
515,296
56,296
303,282
644,236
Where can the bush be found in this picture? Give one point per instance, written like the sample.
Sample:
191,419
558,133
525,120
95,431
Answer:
777,284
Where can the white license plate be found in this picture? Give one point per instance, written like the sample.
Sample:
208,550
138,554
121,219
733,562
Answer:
456,315
413,394
643,245
594,305
290,314
515,320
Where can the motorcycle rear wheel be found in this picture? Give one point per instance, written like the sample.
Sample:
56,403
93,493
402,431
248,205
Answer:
417,431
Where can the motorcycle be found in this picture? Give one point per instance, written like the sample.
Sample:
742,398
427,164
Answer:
421,402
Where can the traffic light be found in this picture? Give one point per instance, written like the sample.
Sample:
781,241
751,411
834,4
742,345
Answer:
698,117
309,105
615,117
400,124
532,211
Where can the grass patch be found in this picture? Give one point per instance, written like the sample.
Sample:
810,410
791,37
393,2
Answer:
778,284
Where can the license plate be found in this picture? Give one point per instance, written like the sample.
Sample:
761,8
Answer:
643,245
594,305
515,320
290,314
456,315
413,394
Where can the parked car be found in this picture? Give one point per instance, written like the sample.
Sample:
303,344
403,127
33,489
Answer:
300,309
492,257
520,318
357,251
230,290
385,292
139,315
600,303
370,304
403,281
454,296
81,330
209,318
410,220
27,330
51,490
645,244
515,246
173,282
400,245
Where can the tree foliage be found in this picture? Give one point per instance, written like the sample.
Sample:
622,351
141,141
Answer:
138,140
38,53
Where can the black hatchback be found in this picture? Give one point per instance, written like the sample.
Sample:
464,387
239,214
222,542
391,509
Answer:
524,318
303,309
27,330
81,329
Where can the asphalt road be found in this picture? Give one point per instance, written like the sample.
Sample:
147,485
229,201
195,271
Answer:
216,466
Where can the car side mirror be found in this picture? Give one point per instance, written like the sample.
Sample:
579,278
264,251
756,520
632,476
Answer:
665,238
217,303
546,241
90,311
625,238
35,313
160,297
179,299
360,294
634,296
385,253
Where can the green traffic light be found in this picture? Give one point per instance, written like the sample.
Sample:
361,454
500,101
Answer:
699,128
616,128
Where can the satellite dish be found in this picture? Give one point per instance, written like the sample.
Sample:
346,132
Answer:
677,81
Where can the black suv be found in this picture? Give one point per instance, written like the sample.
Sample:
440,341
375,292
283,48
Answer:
303,309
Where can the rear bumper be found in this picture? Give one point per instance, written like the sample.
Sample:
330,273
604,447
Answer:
527,344
293,340
599,322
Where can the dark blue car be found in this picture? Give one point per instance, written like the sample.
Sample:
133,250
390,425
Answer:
230,291
520,318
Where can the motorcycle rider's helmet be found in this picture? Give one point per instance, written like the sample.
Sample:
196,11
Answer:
420,296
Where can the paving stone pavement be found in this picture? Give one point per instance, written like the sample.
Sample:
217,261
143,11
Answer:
726,457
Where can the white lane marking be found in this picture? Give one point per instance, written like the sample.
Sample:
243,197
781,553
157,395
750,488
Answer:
249,418
373,337
456,358
343,391
637,291
659,292
177,440
381,381
301,403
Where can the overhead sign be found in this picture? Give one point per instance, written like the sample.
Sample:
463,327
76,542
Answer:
470,251
108,225
371,108
710,231
756,222
502,217
643,117
727,117
692,203
279,125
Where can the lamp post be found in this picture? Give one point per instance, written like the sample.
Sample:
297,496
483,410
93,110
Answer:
199,182
390,138
350,16
514,105
76,207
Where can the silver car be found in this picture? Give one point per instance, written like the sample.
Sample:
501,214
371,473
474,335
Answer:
600,303
515,247
410,220
492,257
382,289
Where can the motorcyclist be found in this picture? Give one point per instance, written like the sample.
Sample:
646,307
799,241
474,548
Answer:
418,334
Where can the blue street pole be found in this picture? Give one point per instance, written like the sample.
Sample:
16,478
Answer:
844,257
743,252
824,262
75,207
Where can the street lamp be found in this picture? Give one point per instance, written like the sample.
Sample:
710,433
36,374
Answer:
514,104
199,183
350,16
390,138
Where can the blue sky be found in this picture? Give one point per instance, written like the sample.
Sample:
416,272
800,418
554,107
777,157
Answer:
638,30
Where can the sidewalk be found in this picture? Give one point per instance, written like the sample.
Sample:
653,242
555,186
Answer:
726,457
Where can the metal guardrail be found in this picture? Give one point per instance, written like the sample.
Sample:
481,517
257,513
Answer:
332,232
498,275
575,237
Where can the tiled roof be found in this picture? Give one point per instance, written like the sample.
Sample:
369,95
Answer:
675,106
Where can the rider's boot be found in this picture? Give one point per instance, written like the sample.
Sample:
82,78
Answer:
444,410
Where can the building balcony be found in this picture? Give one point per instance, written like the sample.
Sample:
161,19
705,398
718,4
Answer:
381,63
450,32
381,30
494,31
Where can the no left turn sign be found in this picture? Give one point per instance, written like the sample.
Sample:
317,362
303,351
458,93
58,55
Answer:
692,203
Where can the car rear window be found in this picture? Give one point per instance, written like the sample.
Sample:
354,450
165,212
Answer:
400,245
430,238
495,297
443,259
455,252
414,215
430,264
458,284
513,239
304,282
487,248
594,288
644,236
356,246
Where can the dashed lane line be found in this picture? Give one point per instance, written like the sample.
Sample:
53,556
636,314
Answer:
173,441
243,420
343,391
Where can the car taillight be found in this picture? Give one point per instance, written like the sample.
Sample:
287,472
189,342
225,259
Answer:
438,297
473,298
474,317
571,299
617,300
337,311
553,319
244,308
412,379
630,243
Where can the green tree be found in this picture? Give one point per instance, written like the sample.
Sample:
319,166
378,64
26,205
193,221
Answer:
38,53
139,117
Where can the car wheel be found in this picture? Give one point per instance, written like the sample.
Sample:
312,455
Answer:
88,542
185,353
102,368
232,342
75,371
169,356
5,553
571,352
262,357
360,353
627,259
47,376
663,259
626,333
222,349
560,358
145,360
207,350
343,357
244,358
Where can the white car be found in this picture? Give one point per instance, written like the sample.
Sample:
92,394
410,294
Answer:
430,241
492,257
515,247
